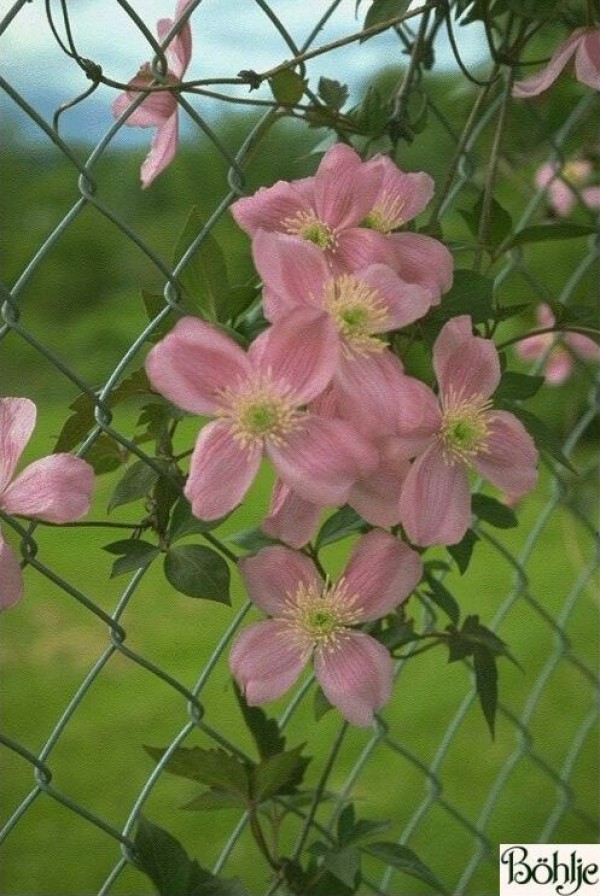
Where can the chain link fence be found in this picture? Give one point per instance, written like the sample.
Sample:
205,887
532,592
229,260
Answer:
87,681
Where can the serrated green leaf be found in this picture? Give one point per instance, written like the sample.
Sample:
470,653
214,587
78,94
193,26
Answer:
204,278
340,524
518,386
462,552
498,226
198,571
372,115
287,87
493,512
350,830
183,522
216,768
333,93
133,554
213,799
159,855
344,865
440,595
541,232
278,775
403,859
486,682
265,732
137,481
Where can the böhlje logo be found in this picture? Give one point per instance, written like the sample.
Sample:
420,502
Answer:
549,869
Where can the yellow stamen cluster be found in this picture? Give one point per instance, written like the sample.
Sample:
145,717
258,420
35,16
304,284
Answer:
465,427
321,616
307,225
357,311
260,410
386,215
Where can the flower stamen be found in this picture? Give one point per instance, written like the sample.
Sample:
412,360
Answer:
259,411
307,225
320,616
358,312
465,427
386,215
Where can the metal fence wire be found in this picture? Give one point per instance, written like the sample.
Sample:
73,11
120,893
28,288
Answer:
87,681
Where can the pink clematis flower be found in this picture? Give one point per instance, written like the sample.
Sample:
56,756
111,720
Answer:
313,618
458,431
584,44
556,349
348,210
259,399
159,109
567,184
361,305
56,488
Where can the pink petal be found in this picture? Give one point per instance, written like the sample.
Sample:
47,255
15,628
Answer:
221,472
299,352
406,194
290,518
356,676
194,363
534,346
583,346
587,59
345,188
368,392
558,367
405,302
57,488
435,507
162,150
152,112
11,577
269,207
179,50
293,272
465,365
358,247
323,459
511,457
543,79
591,197
266,661
273,575
418,418
377,497
17,421
421,260
383,571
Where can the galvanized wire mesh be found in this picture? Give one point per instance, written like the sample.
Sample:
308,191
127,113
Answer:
544,751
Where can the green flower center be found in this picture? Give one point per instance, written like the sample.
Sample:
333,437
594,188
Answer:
358,313
465,427
307,225
320,615
259,411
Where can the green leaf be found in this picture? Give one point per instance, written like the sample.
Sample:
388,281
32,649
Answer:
105,455
133,554
518,386
493,512
382,11
321,704
499,222
333,93
342,523
542,232
183,522
77,426
265,732
462,552
287,86
471,293
545,439
159,855
349,830
343,864
204,277
251,540
440,595
136,483
198,571
403,859
486,682
372,115
278,775
217,769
